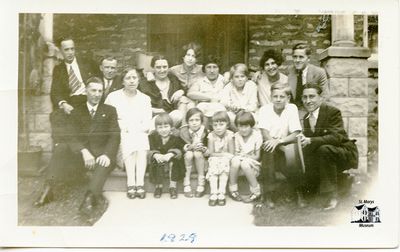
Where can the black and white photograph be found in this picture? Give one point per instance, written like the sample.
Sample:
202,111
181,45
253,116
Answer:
188,126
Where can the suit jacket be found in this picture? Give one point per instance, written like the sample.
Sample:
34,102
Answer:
60,81
115,85
315,75
100,135
329,130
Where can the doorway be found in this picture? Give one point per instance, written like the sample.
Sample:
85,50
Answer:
222,35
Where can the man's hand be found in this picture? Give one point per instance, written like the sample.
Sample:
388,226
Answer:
66,108
88,159
103,160
270,145
305,141
158,157
168,156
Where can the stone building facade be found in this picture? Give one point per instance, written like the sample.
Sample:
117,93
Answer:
126,36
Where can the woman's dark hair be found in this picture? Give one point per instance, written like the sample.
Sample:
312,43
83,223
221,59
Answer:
244,118
194,46
127,69
157,57
211,59
271,54
192,112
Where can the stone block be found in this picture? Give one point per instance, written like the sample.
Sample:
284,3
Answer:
267,42
358,87
41,139
362,145
310,26
346,67
326,42
358,127
351,106
292,27
39,104
258,35
31,122
338,87
275,19
42,123
296,41
362,164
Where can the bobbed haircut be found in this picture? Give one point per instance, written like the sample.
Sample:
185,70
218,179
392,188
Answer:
240,67
211,59
221,116
244,118
163,118
155,58
194,111
271,54
314,86
127,69
94,80
282,86
194,46
302,46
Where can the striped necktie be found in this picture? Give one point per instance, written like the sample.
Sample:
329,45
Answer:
92,113
74,83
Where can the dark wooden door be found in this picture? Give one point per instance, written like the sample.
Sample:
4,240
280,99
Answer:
221,35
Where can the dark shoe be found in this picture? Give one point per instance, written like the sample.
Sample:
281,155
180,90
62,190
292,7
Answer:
131,192
213,200
268,202
88,203
252,198
331,204
235,196
173,193
158,192
301,203
140,192
45,197
221,202
199,194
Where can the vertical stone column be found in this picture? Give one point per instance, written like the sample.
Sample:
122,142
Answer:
347,69
343,30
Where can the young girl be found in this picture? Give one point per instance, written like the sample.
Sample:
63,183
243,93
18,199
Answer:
165,156
221,147
248,142
195,137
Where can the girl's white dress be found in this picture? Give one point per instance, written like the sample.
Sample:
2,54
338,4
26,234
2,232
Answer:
251,146
219,165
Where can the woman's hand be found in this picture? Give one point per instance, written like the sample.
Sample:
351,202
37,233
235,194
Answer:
270,145
177,95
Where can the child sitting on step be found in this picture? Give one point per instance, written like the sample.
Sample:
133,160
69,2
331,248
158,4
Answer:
195,137
165,155
221,147
248,143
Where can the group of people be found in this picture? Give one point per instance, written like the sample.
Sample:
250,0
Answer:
175,120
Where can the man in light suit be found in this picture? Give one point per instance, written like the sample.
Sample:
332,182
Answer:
303,72
93,138
67,86
327,149
112,81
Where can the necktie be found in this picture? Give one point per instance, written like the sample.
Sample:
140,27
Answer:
312,121
299,88
92,113
74,83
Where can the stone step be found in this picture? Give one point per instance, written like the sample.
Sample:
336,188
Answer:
117,182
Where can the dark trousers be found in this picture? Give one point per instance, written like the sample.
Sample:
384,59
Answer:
159,171
276,161
323,166
64,163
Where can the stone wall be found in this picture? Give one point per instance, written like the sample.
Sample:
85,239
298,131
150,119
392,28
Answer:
282,32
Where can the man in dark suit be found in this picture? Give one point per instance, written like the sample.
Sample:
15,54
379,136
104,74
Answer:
68,85
302,72
327,149
93,138
108,69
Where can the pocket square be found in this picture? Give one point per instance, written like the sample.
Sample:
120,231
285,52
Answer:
103,115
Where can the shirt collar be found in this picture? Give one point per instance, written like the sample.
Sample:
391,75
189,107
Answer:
90,107
73,63
315,113
200,130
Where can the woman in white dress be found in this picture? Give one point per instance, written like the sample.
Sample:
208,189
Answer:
134,118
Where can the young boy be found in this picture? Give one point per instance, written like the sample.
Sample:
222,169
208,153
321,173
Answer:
165,156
